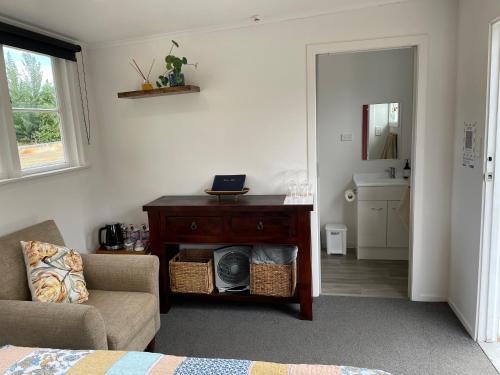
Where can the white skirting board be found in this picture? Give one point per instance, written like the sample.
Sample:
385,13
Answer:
462,319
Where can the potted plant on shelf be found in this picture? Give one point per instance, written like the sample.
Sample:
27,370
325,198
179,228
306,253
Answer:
173,75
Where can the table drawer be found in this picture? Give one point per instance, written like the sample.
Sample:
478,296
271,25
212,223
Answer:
184,228
263,227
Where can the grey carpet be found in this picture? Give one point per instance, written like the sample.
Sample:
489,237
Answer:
394,335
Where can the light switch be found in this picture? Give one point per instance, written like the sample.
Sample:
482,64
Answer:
346,137
378,131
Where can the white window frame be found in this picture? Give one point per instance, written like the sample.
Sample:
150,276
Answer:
69,117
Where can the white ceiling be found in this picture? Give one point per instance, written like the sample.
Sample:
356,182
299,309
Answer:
95,21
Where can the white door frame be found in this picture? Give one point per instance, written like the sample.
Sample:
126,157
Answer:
487,323
418,157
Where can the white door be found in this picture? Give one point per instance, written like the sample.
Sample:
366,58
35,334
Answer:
372,223
397,233
487,329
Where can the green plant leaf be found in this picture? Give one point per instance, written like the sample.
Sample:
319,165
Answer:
177,65
184,60
175,43
158,84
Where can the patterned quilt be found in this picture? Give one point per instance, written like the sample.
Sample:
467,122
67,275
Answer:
20,360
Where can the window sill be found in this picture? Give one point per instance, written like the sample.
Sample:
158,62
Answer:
42,174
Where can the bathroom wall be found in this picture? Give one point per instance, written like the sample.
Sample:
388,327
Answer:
345,83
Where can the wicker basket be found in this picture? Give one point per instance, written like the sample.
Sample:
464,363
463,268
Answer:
277,280
191,271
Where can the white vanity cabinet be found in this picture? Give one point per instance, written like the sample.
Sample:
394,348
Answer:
380,231
397,233
372,223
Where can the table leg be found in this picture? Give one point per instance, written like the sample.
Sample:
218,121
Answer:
305,271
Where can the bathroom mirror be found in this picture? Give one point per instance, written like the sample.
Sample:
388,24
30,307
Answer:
381,132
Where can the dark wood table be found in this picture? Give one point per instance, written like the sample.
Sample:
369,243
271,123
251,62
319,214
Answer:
103,250
249,220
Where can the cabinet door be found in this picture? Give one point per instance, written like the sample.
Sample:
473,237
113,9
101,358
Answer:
397,233
372,223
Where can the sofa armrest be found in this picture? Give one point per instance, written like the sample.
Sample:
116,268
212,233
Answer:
127,273
51,325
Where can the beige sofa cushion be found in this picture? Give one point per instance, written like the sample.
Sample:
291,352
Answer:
12,268
128,317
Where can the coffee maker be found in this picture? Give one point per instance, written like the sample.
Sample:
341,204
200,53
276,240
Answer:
113,236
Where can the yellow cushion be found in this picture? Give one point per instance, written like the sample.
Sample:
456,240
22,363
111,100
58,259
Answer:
55,273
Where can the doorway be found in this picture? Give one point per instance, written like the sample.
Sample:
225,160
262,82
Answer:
420,46
364,137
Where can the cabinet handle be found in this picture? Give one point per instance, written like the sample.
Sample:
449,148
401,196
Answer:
260,225
194,226
377,209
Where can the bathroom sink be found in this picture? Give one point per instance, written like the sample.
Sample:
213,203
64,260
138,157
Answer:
377,179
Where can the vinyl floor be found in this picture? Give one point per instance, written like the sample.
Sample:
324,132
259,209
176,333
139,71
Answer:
348,276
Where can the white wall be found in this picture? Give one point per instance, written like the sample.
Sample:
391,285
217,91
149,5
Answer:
72,199
75,199
345,83
250,116
472,57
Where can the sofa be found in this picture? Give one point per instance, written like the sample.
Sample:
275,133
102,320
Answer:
122,312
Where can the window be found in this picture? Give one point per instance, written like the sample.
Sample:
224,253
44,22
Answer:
34,108
38,132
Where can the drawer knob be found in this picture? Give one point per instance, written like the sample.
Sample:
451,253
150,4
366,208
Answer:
194,226
260,225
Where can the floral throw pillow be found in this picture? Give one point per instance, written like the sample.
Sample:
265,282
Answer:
55,273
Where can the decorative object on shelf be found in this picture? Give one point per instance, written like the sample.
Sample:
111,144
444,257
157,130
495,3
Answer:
229,182
173,75
221,193
228,185
146,85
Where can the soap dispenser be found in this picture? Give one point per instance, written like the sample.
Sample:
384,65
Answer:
406,170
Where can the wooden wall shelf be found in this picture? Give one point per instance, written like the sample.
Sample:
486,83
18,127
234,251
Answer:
159,92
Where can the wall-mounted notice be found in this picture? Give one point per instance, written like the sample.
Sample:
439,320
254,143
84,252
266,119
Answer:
469,145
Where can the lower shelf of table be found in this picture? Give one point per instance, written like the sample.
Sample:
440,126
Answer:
235,297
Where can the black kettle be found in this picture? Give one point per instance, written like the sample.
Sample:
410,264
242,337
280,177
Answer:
113,236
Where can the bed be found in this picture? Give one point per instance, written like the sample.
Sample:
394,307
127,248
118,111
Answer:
21,360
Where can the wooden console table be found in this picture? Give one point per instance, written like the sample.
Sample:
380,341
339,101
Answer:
253,219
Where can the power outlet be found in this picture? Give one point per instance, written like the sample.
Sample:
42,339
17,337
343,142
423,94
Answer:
346,137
